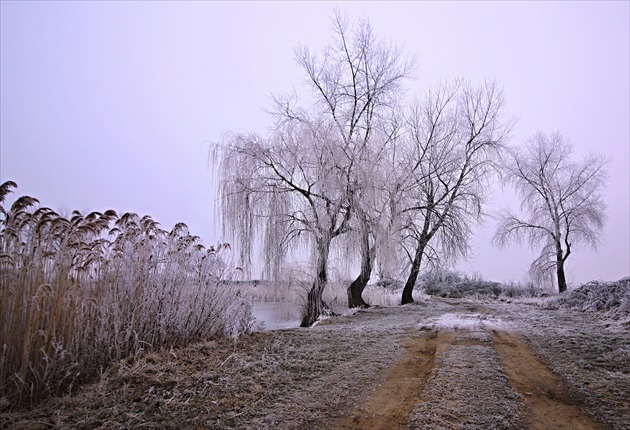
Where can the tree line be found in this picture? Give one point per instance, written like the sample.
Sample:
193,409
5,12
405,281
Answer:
400,182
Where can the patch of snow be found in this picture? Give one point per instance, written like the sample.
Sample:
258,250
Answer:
459,321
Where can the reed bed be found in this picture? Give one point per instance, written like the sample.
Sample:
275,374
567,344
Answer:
81,292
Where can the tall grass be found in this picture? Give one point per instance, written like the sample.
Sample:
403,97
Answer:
78,293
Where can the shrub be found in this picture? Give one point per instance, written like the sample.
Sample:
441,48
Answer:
390,284
611,298
454,284
81,292
527,290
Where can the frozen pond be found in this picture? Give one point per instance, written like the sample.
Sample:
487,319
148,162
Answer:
281,315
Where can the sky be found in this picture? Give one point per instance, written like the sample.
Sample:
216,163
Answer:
115,104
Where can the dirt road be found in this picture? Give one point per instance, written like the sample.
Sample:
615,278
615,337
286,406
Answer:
469,369
444,364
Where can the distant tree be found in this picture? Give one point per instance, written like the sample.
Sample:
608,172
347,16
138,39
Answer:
561,199
455,135
301,183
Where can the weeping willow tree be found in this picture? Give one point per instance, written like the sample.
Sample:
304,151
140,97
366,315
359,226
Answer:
286,196
561,200
300,184
456,133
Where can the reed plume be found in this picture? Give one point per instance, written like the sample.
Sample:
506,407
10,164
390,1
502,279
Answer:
80,292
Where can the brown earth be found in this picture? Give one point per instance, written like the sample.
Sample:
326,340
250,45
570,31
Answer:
392,402
446,364
548,403
546,394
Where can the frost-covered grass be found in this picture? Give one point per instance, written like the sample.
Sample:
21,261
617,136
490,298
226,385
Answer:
267,380
262,381
589,350
78,293
611,298
460,321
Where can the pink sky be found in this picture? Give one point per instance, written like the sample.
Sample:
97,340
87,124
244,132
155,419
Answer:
112,104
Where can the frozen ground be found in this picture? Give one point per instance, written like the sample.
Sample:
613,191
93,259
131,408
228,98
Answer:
445,364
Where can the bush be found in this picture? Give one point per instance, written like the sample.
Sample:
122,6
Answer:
393,285
611,298
79,293
528,290
454,284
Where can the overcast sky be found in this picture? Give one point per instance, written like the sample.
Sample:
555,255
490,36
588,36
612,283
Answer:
113,104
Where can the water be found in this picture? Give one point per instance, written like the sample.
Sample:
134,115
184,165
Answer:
281,315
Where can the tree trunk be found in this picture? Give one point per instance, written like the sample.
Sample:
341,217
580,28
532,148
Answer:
355,290
562,282
560,258
407,296
315,306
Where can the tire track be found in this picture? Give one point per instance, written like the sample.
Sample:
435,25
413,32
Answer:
469,370
390,405
550,404
468,388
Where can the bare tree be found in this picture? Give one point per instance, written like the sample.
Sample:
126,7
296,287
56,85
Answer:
455,133
561,198
303,181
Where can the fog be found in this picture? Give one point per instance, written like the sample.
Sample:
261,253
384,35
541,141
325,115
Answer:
115,104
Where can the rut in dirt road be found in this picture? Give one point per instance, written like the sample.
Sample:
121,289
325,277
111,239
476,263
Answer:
391,403
550,405
468,371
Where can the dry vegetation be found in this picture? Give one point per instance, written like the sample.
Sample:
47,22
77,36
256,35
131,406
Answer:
271,380
316,378
610,298
78,293
453,284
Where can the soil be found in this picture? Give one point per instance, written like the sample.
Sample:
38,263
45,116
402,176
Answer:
443,364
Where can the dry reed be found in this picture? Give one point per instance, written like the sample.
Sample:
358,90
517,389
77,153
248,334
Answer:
80,292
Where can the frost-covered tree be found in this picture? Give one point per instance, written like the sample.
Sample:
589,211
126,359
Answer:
300,184
288,191
369,236
455,133
561,200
